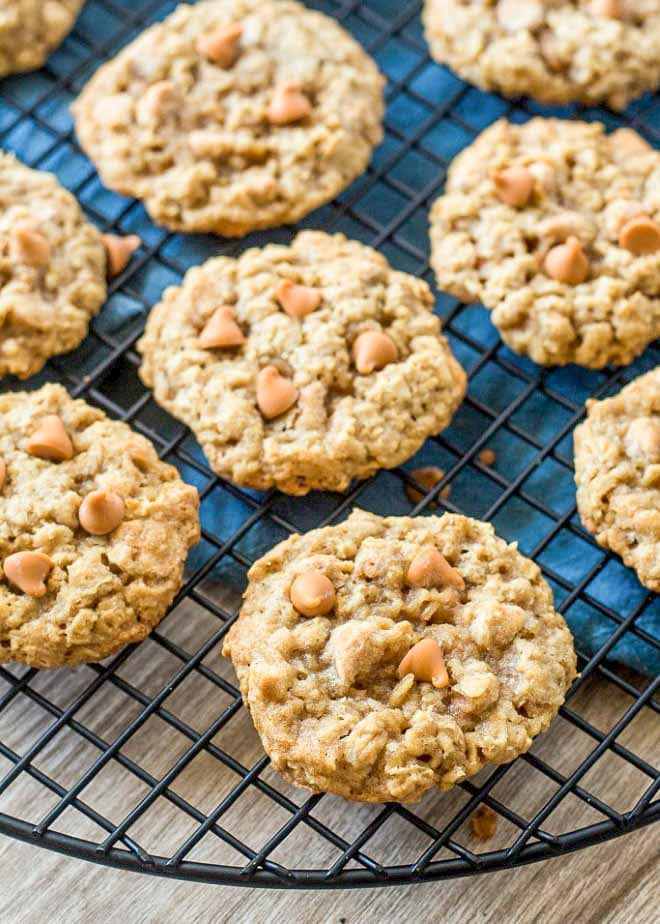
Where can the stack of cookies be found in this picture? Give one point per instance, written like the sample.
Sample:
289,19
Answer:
383,656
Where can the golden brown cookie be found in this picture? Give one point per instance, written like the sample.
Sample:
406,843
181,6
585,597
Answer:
555,227
31,29
303,393
382,657
233,115
94,531
617,472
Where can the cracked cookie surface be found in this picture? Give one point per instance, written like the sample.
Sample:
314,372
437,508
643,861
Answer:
102,591
556,51
199,143
342,423
31,29
327,695
585,187
617,472
49,292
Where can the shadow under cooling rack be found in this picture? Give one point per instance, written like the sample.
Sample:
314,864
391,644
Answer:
149,761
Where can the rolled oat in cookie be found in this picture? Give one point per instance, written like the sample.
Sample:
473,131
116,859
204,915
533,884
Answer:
302,400
52,269
392,684
556,51
31,29
233,115
94,531
617,472
555,227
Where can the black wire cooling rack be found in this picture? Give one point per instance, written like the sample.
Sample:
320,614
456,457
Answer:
148,761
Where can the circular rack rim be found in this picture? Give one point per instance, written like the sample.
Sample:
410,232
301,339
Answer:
270,876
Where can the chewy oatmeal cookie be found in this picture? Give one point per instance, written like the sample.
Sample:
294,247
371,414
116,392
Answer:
302,366
556,51
554,226
52,269
233,115
617,472
94,531
382,657
31,29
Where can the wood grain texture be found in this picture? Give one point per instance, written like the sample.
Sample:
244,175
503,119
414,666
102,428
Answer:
611,882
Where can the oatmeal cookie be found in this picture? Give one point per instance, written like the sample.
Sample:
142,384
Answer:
382,657
617,472
31,29
556,51
302,366
233,115
52,269
555,227
94,531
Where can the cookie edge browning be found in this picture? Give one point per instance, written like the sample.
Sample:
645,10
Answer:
605,532
184,503
295,546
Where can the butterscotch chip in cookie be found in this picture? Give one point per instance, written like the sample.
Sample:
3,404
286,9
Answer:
298,405
572,276
617,472
52,269
233,115
31,29
50,440
556,51
397,689
221,330
92,546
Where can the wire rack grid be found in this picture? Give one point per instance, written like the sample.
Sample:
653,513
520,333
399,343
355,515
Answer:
152,783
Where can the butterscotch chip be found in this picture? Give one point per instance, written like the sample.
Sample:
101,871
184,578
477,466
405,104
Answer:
640,236
28,571
487,457
483,823
426,663
268,122
315,420
29,246
31,29
53,268
119,251
313,594
591,51
297,300
552,272
568,263
483,672
275,393
617,454
430,568
110,575
101,512
373,350
221,330
427,477
222,45
50,440
289,104
514,186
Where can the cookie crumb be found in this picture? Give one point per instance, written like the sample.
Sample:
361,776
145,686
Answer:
428,477
483,823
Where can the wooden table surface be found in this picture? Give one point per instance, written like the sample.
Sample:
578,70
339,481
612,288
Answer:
609,882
